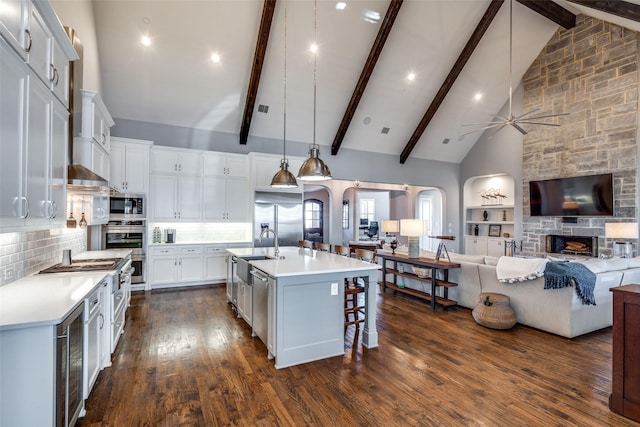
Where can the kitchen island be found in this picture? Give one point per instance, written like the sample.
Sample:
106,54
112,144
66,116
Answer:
298,302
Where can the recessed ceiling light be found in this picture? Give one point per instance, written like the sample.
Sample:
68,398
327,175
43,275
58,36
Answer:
371,16
145,40
341,5
313,48
215,58
477,97
411,76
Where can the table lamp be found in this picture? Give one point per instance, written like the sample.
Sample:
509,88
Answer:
391,227
414,229
621,230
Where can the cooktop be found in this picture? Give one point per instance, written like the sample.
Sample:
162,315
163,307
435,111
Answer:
85,265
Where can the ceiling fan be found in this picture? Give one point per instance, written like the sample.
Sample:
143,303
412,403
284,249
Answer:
510,119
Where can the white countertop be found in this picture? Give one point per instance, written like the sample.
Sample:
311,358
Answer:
298,261
44,299
108,253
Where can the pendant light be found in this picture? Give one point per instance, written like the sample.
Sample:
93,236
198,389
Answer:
314,169
283,178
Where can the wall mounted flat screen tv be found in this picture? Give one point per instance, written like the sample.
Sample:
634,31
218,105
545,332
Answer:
590,195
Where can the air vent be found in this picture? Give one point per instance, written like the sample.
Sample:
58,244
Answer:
446,141
385,130
263,108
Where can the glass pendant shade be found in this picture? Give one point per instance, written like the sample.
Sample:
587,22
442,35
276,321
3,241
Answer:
284,178
314,169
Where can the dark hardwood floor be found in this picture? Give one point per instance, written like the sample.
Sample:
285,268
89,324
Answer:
186,360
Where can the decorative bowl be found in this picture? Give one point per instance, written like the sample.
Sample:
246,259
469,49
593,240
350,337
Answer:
421,272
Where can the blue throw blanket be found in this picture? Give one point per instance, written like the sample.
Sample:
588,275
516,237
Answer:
563,274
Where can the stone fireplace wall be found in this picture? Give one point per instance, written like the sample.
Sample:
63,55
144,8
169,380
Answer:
591,72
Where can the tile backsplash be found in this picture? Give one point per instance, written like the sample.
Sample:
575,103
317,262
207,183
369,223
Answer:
25,253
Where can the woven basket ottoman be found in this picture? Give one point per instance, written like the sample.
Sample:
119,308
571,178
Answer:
494,311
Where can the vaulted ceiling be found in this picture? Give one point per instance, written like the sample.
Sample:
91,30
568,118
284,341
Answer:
455,49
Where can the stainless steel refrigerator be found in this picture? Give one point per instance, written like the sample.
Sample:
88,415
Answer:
282,213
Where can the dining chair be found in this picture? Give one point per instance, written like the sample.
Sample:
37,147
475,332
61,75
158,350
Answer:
323,247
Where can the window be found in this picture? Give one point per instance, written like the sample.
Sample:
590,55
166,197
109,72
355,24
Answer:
312,214
368,209
345,214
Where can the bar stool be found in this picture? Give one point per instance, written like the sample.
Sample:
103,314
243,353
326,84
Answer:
341,250
323,247
307,244
354,313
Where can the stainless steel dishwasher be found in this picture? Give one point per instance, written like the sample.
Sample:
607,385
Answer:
260,304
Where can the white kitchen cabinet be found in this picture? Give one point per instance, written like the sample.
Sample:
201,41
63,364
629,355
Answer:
14,25
215,263
176,265
33,137
264,167
226,199
223,164
129,163
93,339
245,301
96,120
176,161
474,245
175,198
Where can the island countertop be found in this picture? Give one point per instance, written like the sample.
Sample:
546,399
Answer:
299,261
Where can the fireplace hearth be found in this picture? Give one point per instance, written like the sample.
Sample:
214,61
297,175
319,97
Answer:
572,245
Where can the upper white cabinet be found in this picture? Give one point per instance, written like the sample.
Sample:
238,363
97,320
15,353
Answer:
226,187
91,147
176,161
33,140
14,25
129,165
96,120
175,198
265,166
228,165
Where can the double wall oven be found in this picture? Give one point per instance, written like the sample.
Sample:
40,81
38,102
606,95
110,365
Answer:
128,234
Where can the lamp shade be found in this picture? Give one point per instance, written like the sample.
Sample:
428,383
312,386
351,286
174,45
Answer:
414,227
390,226
621,230
283,178
314,169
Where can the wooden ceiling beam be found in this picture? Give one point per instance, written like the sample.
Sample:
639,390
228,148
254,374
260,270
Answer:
455,71
258,61
551,11
367,70
623,9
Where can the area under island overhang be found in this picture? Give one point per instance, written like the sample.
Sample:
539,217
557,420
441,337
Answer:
302,293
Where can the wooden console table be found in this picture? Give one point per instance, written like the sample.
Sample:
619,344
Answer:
429,263
625,395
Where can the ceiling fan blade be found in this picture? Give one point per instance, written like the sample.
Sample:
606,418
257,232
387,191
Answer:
527,113
461,137
480,123
538,123
518,128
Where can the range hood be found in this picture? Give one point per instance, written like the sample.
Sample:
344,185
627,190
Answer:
77,174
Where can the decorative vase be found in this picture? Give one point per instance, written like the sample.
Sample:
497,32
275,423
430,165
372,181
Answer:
485,216
476,229
504,215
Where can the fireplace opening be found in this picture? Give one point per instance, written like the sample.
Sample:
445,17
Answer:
572,245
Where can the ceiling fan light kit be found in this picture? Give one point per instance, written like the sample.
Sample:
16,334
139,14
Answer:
510,119
314,169
283,178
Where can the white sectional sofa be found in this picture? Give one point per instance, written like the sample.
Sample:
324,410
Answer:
559,311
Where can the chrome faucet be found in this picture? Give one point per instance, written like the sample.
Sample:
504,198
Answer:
275,239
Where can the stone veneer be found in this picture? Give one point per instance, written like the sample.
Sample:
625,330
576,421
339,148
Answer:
591,72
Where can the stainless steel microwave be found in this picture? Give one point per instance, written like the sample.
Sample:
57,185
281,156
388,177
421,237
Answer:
127,206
